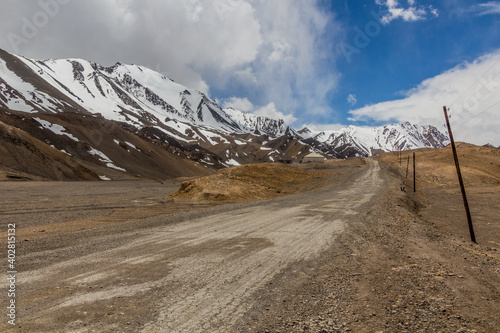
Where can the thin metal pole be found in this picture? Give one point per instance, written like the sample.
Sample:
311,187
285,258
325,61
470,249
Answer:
462,188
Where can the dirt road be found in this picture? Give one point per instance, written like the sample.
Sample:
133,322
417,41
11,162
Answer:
192,272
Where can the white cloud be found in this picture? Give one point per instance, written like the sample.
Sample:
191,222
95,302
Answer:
281,51
413,13
289,68
487,8
351,99
276,51
434,11
471,90
184,38
271,111
241,104
246,75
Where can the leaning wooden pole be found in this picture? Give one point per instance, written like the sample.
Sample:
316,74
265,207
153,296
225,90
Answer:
414,175
407,169
462,188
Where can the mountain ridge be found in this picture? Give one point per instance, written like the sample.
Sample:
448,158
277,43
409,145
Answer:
167,114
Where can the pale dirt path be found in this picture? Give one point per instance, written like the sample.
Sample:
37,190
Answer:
193,276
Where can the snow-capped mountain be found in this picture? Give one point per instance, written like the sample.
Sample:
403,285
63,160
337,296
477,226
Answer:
86,111
82,109
127,93
261,125
368,141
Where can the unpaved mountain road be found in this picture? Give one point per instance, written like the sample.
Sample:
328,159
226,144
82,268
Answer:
199,273
356,255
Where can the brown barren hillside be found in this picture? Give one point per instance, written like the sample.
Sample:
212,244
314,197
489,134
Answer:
250,182
136,156
437,184
24,157
436,167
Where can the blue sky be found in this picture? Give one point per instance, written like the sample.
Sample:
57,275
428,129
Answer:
406,52
323,63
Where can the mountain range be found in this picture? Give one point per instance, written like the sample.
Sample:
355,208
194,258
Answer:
75,119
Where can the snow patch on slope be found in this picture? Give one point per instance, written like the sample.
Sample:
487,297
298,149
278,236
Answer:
105,159
55,128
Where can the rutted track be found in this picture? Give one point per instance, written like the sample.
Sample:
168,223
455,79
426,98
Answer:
192,276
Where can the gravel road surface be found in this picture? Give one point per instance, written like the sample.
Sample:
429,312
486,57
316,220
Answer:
189,272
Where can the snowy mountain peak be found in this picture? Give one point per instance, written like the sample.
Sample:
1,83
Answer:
305,132
260,124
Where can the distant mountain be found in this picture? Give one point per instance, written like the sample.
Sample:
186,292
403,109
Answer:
352,141
261,125
489,145
130,121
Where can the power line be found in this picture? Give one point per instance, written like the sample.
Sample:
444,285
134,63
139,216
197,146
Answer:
496,62
477,114
479,99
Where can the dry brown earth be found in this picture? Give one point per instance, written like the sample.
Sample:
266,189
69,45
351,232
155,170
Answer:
250,182
437,186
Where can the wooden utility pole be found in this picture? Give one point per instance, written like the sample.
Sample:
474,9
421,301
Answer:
407,168
414,175
462,188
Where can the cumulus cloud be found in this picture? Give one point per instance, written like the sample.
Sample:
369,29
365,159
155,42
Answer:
470,90
414,12
246,75
290,66
181,37
271,111
241,104
275,51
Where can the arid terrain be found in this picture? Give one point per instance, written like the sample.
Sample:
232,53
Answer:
335,247
250,182
437,186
